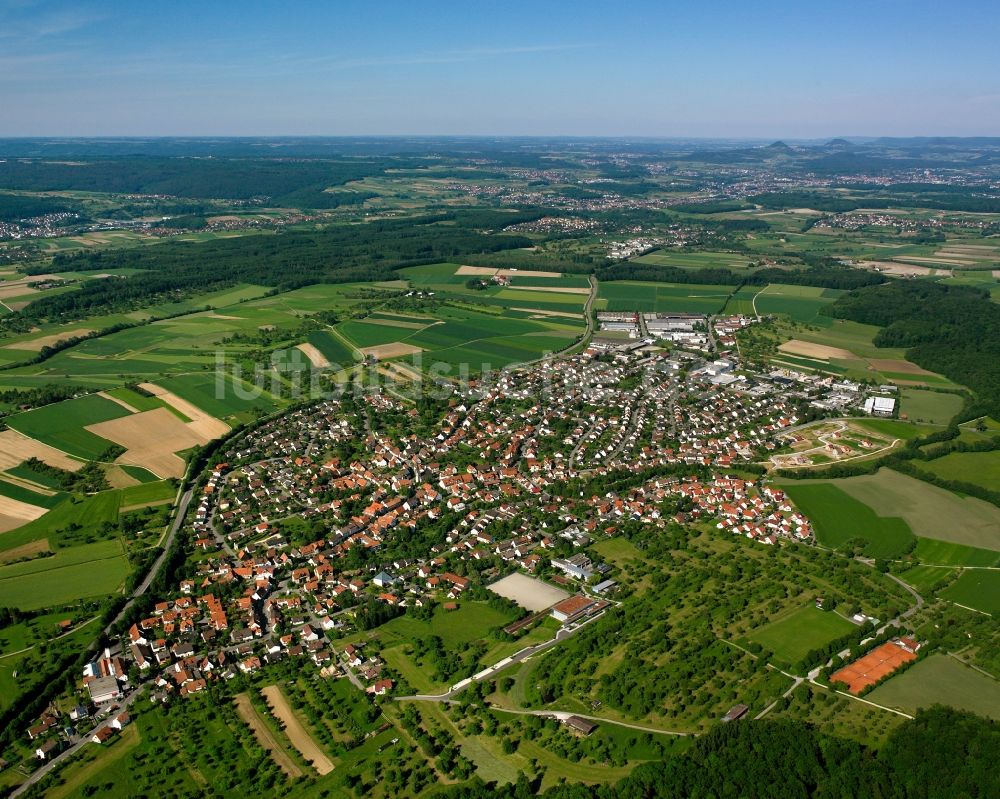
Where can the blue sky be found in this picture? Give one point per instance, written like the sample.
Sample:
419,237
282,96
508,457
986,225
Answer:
755,68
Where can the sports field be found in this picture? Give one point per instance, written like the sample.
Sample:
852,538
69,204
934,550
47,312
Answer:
838,518
529,592
978,589
941,679
872,667
796,634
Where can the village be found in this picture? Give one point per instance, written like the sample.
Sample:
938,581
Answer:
303,531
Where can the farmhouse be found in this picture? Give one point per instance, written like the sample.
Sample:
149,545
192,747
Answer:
580,725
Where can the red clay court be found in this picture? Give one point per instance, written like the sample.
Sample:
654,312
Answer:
869,669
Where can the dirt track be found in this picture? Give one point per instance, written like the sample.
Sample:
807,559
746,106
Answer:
296,733
265,737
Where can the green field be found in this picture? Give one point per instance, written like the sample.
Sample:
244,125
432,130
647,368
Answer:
22,494
88,570
85,514
333,347
978,589
893,428
464,337
926,579
149,492
933,407
798,303
946,553
695,260
838,518
940,679
792,637
633,295
931,512
40,478
977,468
140,474
61,425
226,398
470,622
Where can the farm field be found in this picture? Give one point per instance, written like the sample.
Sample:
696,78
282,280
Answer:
946,553
843,347
798,303
229,399
925,579
931,512
976,588
695,260
77,518
332,347
940,679
83,571
465,336
632,295
790,638
265,737
838,518
978,468
62,425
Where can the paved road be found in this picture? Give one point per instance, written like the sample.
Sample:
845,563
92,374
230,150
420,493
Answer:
562,715
141,589
588,318
66,754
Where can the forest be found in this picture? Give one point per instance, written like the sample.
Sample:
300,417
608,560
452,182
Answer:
953,330
949,200
284,260
940,754
823,276
19,206
289,181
